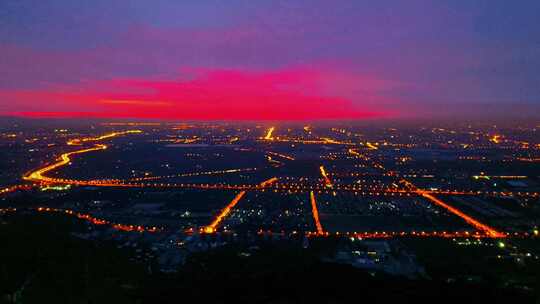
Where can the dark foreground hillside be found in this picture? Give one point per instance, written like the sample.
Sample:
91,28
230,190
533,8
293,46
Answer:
41,262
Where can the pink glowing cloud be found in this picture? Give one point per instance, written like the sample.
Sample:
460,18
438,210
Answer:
289,94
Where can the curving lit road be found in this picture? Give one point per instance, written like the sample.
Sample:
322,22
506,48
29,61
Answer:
64,159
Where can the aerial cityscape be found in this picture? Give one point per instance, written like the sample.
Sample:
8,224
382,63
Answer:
269,151
168,191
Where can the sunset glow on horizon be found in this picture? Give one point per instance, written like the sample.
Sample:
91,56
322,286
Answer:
285,60
295,94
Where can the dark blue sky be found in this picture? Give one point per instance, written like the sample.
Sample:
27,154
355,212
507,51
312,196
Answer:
340,58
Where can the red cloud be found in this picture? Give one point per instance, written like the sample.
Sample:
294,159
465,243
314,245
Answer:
293,94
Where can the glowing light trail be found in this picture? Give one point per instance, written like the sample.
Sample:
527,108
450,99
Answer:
315,213
371,146
358,155
38,175
216,172
361,235
97,221
327,180
471,221
268,182
280,155
225,212
496,139
476,224
79,141
14,188
354,152
269,134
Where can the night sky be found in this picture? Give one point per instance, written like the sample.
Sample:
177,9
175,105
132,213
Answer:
277,60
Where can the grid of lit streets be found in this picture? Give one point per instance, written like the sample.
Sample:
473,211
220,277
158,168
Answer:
314,181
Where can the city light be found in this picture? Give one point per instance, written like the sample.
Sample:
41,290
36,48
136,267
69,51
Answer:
356,189
315,213
327,181
225,212
269,134
476,224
